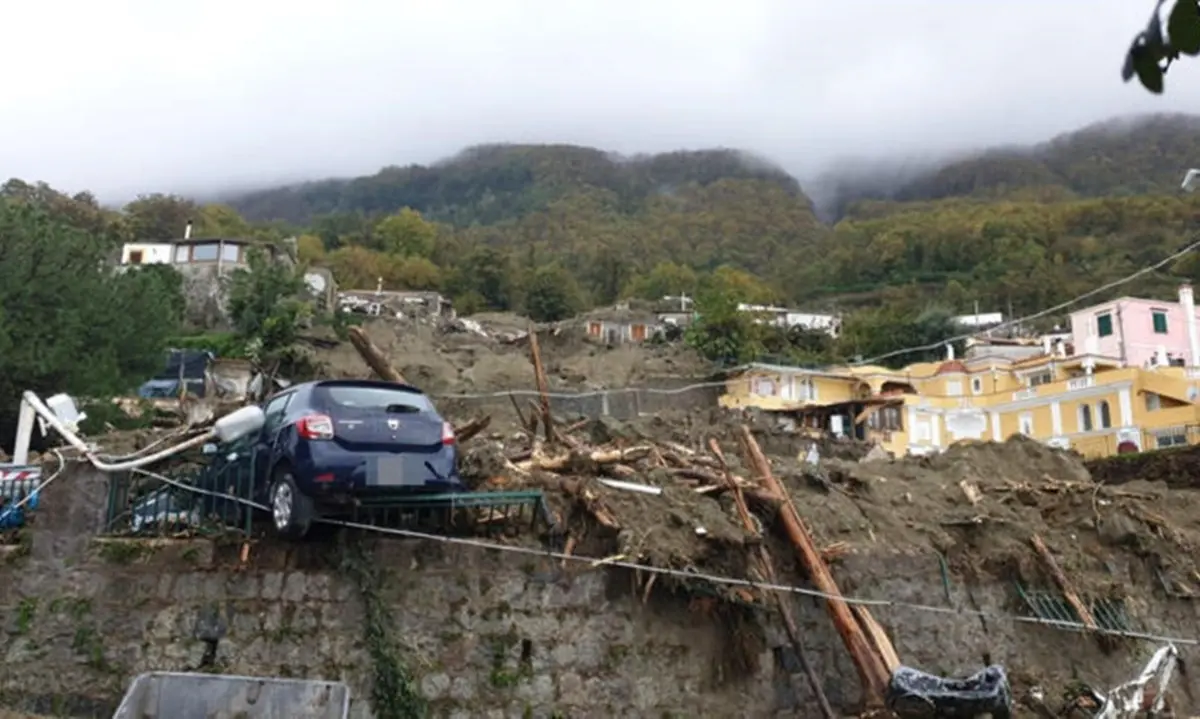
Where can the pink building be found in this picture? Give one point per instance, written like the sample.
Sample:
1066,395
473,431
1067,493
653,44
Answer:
1139,333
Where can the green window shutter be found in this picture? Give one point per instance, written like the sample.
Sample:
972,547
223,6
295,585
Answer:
1160,323
1104,325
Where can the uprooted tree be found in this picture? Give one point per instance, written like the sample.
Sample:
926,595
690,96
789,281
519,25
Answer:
69,321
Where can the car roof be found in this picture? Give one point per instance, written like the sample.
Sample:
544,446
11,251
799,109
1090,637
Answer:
376,383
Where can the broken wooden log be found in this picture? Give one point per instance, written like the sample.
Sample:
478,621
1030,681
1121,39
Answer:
472,428
887,651
373,356
1064,585
543,386
871,669
767,569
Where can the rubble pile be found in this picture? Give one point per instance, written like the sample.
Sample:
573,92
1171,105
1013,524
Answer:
716,493
490,353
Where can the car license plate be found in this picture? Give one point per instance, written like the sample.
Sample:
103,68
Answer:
390,471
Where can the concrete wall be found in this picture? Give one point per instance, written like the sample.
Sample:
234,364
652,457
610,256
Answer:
153,253
487,634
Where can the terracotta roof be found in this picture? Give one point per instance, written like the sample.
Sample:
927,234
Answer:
951,366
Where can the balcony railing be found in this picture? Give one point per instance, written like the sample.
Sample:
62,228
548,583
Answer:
1081,383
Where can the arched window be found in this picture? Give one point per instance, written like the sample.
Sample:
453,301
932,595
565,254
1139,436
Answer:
1085,418
1105,415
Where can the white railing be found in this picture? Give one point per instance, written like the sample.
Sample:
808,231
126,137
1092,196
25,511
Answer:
1080,383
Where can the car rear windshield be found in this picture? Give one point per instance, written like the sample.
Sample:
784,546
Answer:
353,397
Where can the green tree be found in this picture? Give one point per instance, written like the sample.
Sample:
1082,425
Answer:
552,294
406,233
663,280
487,273
80,210
337,229
740,286
723,333
220,221
875,333
265,306
160,217
68,322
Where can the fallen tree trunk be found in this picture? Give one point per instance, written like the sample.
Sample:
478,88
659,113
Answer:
373,356
472,428
1064,585
767,567
871,669
543,385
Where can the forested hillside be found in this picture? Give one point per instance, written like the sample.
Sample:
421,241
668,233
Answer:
1129,156
553,230
492,183
1019,227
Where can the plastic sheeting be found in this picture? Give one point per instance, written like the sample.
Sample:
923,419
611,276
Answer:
913,694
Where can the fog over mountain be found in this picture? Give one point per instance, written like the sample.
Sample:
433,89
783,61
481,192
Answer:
133,96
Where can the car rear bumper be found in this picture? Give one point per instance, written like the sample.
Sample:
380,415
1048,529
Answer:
350,474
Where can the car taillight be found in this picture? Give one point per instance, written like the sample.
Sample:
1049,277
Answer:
447,433
315,426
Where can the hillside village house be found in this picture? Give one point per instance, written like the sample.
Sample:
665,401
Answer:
620,324
203,261
787,318
1117,396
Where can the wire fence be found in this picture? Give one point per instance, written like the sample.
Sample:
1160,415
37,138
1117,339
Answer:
621,403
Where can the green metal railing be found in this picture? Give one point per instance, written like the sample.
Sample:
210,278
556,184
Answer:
216,495
193,499
487,511
1110,614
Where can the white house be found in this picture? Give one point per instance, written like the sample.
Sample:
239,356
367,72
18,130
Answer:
788,318
982,319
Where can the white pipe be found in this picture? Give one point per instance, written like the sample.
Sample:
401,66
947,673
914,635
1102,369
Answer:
219,431
631,486
24,434
1187,302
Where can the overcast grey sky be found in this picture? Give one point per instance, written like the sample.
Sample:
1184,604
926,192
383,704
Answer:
130,96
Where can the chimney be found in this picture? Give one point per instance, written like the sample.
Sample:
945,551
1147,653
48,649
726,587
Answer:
1046,344
1187,301
187,230
949,351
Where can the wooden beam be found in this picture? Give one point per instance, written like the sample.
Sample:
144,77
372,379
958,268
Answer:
543,386
373,356
1064,585
871,669
767,569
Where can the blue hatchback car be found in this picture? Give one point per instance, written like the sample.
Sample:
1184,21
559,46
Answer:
326,444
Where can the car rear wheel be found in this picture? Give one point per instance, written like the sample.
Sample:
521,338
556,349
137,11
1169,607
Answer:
291,509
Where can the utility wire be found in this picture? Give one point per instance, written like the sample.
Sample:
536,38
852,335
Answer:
597,562
869,361
1042,313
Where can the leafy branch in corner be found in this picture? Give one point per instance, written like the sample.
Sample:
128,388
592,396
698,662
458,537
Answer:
1152,52
393,692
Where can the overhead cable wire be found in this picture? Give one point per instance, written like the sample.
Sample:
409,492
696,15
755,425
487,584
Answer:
865,362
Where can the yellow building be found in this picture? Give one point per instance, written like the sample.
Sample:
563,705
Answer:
1090,403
